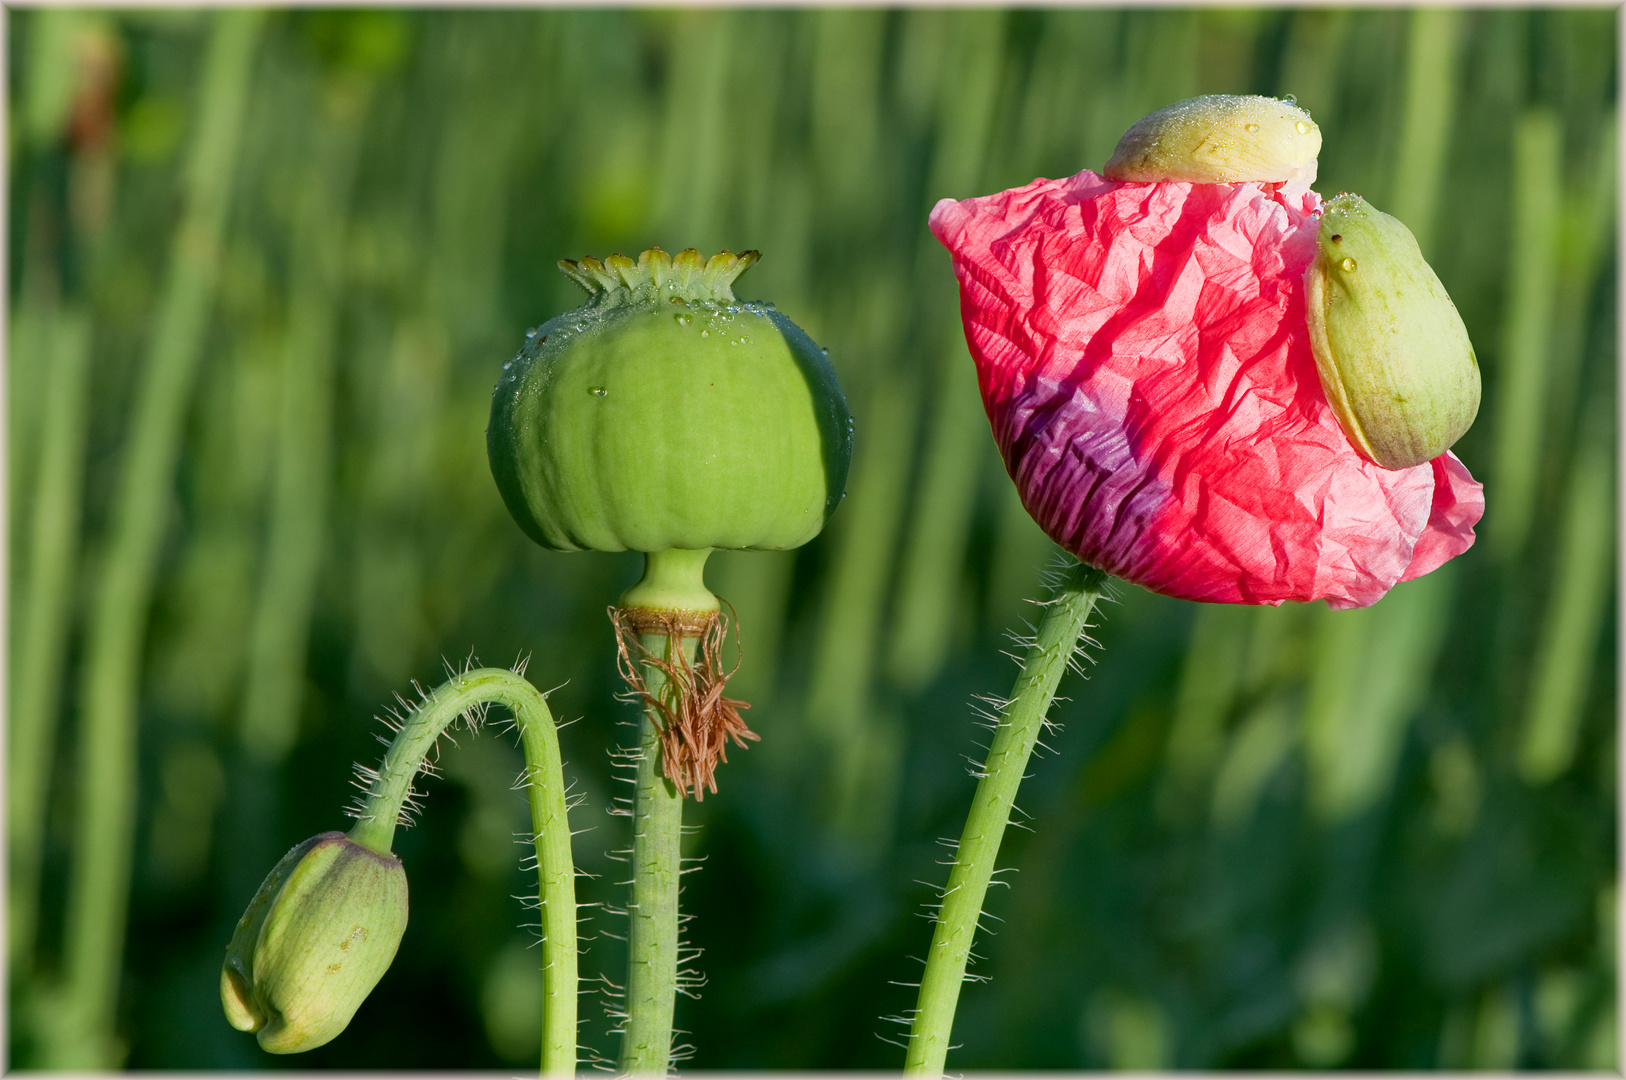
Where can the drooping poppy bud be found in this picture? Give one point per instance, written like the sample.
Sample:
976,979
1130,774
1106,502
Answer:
666,413
1393,354
1220,139
318,935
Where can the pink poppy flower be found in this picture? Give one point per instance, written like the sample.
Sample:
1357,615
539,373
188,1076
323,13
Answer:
1145,362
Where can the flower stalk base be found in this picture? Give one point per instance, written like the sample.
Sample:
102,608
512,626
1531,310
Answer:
1065,618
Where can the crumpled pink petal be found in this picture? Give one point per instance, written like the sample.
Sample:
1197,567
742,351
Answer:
1145,362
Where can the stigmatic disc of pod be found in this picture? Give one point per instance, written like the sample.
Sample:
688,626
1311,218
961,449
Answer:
1394,357
666,413
1219,139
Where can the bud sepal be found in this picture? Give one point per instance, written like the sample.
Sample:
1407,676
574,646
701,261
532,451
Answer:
1219,139
1392,352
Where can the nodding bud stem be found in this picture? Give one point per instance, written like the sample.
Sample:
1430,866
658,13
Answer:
1220,139
313,943
326,922
1393,354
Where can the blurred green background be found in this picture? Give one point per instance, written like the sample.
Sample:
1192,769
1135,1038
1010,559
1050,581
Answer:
263,273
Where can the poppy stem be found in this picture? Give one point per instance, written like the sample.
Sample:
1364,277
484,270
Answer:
1066,614
657,833
391,790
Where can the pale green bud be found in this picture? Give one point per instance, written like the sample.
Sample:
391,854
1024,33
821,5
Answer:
318,935
1394,357
1219,139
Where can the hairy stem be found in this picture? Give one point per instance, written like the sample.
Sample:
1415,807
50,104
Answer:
544,775
1064,620
652,937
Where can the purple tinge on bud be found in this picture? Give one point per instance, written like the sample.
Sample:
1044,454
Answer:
318,935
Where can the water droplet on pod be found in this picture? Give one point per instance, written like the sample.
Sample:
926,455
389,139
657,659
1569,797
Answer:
1252,128
598,391
705,333
1348,265
1303,127
682,320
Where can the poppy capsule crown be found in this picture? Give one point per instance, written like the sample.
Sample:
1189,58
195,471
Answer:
666,413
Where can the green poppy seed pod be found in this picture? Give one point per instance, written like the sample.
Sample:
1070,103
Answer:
1394,357
318,935
667,414
1219,139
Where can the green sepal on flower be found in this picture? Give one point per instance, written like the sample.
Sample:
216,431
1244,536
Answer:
1219,139
318,935
665,413
1393,354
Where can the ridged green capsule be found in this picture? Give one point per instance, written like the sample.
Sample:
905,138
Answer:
1219,139
668,414
318,935
1394,357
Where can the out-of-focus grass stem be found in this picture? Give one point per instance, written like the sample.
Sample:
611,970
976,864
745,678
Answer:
934,550
50,373
297,538
1426,120
885,416
1527,333
848,637
44,605
78,1031
1579,601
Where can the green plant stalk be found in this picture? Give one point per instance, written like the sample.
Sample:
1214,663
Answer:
298,525
934,552
652,936
1562,670
1527,330
1065,617
550,823
44,606
844,654
1426,120
1369,679
78,1030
